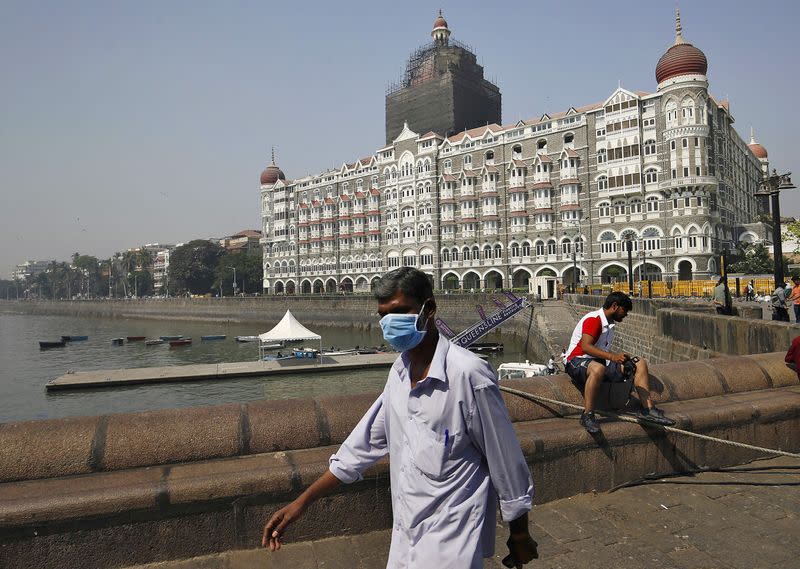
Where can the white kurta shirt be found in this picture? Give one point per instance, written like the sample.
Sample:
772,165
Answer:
453,453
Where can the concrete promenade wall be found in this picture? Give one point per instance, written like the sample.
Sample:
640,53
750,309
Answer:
133,488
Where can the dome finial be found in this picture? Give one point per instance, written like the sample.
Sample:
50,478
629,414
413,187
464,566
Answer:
273,155
752,136
678,27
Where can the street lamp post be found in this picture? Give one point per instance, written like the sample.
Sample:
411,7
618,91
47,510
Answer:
234,280
772,186
629,247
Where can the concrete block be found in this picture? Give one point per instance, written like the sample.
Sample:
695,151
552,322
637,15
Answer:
775,367
171,435
227,479
739,374
270,430
342,413
689,380
44,449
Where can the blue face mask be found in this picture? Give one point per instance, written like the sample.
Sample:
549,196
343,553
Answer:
401,330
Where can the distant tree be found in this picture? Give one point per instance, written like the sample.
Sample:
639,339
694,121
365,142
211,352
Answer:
89,277
192,267
249,272
9,289
140,282
753,259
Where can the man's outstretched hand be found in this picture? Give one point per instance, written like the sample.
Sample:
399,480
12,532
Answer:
522,549
273,531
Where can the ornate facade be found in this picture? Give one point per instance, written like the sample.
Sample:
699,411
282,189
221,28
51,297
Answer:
564,194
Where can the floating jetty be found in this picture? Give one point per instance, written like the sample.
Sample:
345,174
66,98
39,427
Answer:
202,372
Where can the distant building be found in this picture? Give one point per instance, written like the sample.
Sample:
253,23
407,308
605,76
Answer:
30,269
246,241
562,194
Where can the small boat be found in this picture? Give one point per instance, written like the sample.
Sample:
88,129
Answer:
74,338
271,358
247,338
181,342
48,345
305,353
486,347
213,337
153,342
514,370
117,341
272,346
170,338
135,338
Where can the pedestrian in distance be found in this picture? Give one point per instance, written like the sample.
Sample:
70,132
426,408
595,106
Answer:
794,298
590,362
551,366
453,450
750,291
722,297
780,311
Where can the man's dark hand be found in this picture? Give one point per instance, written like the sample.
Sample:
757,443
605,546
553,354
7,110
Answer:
522,549
618,358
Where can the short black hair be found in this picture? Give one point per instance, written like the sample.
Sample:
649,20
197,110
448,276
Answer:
410,281
622,300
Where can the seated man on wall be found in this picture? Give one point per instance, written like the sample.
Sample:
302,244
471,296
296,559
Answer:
589,362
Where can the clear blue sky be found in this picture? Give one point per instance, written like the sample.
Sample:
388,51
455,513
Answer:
133,122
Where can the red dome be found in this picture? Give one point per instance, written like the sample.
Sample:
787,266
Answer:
271,175
440,22
758,150
681,59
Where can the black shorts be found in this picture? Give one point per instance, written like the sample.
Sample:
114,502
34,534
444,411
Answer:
576,369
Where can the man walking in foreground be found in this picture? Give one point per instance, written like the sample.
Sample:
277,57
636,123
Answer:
453,450
589,362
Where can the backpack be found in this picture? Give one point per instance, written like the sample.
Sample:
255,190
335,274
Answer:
778,298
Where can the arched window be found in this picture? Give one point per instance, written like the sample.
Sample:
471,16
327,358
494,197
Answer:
540,248
466,254
516,151
446,255
467,160
489,156
604,209
551,247
608,242
602,156
487,252
650,176
515,249
649,147
619,207
602,183
652,203
636,206
541,145
498,251
569,138
526,249
448,166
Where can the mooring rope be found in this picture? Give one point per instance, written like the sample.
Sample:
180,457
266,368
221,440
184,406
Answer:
629,419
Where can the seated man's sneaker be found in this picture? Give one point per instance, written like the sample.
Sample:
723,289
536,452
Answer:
655,416
589,422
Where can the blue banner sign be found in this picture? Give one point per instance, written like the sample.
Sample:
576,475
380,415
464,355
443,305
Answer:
490,322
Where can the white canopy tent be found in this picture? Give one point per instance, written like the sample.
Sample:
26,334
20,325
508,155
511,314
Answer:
288,330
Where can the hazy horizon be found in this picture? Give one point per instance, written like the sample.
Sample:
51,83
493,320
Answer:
134,123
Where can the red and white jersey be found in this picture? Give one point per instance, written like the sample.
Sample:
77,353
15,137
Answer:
597,326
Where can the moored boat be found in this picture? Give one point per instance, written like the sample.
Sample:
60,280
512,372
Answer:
520,370
136,338
272,346
181,342
48,345
247,338
74,338
485,347
305,353
117,341
213,337
170,338
153,342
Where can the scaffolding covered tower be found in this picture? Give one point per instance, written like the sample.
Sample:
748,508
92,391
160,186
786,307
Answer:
442,90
